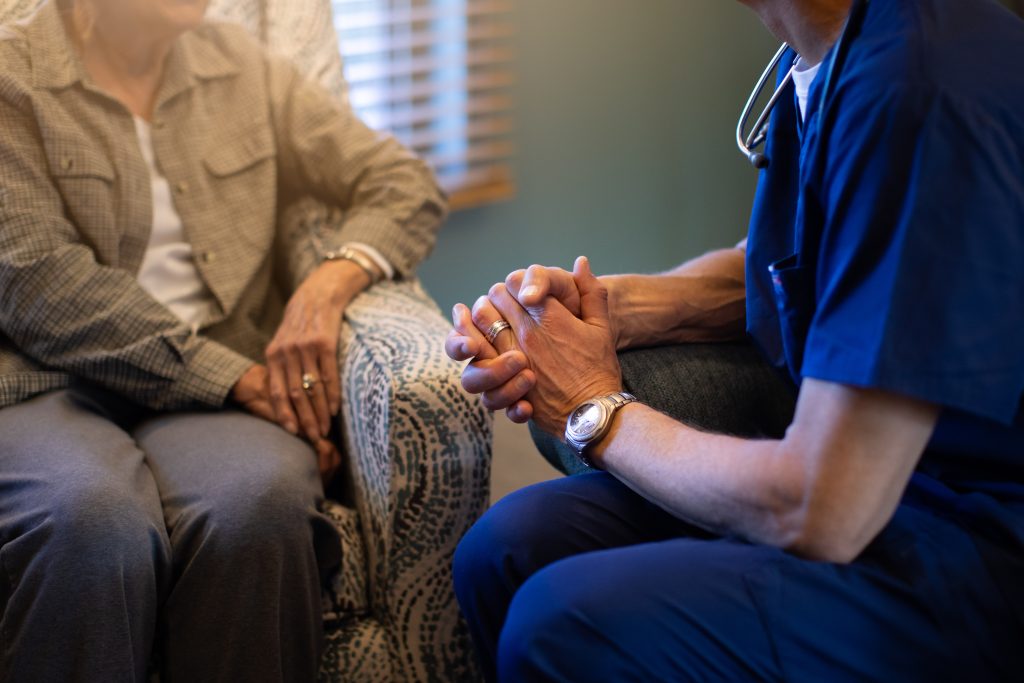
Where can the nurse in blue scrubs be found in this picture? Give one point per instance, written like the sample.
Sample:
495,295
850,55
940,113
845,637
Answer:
881,536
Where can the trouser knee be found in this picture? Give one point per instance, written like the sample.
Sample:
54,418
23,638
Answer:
271,520
541,640
90,564
499,547
93,532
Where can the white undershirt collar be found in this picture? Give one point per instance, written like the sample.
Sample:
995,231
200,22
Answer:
803,76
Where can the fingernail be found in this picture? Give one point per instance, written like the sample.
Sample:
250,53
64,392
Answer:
290,426
515,363
334,408
529,291
465,349
522,383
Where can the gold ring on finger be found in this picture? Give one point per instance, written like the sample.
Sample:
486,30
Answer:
309,381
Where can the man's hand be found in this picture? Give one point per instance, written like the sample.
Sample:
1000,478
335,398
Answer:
499,371
503,381
573,358
533,285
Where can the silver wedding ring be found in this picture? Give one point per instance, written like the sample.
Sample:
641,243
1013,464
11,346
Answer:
309,381
495,329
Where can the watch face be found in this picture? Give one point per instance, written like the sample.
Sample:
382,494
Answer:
586,419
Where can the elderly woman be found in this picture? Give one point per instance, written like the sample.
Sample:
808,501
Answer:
163,408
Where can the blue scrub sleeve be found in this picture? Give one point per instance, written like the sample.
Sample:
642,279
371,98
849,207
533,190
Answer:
920,272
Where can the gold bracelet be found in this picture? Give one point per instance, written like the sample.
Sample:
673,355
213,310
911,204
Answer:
358,258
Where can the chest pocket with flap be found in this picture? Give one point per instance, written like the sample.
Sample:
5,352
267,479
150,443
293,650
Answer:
78,161
241,152
85,179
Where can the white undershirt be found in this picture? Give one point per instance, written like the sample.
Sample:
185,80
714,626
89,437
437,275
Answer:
803,76
168,271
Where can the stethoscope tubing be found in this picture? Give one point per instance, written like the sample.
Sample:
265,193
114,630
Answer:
759,132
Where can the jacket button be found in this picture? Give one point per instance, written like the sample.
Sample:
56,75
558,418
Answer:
182,187
208,257
66,163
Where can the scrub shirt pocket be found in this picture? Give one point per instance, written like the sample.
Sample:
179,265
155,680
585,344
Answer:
793,286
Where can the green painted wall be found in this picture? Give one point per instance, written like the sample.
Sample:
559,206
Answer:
627,111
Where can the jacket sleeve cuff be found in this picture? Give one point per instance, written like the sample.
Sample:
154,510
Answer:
402,246
375,256
210,374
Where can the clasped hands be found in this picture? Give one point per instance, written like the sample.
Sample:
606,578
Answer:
299,388
558,352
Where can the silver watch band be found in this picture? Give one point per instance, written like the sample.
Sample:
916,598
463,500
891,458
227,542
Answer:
612,402
619,399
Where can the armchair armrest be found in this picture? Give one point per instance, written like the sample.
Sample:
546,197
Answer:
417,458
416,468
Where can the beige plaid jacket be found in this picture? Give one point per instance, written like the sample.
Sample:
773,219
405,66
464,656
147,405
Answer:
238,135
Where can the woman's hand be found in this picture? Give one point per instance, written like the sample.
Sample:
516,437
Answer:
252,391
302,361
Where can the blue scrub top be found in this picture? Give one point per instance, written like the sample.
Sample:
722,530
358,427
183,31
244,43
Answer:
886,247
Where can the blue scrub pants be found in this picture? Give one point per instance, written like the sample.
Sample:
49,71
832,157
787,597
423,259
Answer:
581,579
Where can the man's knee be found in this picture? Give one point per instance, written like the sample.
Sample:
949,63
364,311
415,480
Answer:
483,551
515,536
537,525
555,634
640,613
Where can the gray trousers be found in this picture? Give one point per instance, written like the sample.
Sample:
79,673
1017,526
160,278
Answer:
721,388
188,539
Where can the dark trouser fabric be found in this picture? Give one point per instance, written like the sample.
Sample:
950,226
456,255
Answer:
191,538
581,579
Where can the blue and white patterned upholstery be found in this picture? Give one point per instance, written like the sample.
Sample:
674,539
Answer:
417,470
416,447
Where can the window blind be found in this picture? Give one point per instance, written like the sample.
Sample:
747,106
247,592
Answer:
438,75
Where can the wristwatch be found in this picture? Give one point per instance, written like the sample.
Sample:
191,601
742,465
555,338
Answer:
589,422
